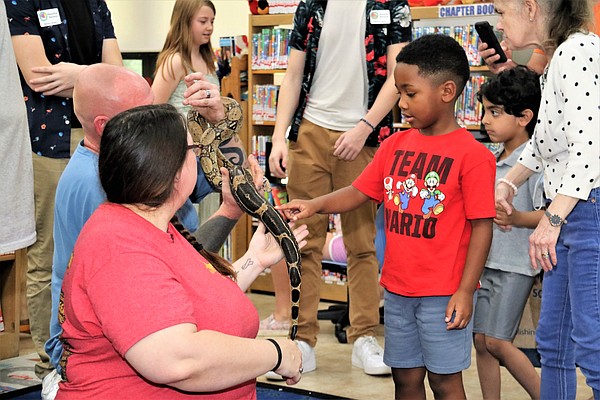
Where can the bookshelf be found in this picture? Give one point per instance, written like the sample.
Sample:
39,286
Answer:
11,271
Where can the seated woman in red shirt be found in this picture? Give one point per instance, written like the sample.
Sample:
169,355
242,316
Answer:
146,312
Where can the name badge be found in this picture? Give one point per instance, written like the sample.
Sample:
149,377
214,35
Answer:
49,17
380,17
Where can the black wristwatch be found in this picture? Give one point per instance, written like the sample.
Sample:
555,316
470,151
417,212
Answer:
555,220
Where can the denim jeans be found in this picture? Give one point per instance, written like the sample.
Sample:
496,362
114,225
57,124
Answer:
568,333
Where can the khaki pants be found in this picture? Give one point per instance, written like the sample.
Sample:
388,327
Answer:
314,171
46,173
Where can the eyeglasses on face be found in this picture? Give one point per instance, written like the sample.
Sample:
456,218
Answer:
195,147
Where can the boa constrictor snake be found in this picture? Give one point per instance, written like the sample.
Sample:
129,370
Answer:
209,137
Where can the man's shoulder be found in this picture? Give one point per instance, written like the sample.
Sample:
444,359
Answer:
82,162
81,171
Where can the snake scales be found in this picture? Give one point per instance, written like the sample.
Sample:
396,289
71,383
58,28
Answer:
209,137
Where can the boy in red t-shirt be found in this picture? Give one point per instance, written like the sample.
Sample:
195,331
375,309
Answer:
438,235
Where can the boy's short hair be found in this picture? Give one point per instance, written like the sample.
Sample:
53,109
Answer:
439,58
516,90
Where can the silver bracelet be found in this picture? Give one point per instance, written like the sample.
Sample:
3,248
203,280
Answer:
510,184
368,123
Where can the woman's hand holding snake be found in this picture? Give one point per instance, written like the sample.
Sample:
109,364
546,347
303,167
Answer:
230,206
266,250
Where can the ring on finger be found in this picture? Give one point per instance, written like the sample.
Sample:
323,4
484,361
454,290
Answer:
207,93
545,255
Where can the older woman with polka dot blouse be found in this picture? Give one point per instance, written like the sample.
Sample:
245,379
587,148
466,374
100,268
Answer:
566,147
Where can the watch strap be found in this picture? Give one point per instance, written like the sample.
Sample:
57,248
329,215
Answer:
555,220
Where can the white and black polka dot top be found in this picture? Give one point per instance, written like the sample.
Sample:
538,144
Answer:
566,142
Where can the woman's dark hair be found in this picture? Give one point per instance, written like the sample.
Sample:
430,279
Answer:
141,152
439,58
222,266
516,90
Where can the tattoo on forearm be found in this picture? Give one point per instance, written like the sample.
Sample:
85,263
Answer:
213,232
233,150
248,263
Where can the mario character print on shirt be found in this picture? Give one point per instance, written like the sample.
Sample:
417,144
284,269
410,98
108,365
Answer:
406,191
415,193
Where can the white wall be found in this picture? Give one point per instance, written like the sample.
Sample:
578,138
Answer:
142,25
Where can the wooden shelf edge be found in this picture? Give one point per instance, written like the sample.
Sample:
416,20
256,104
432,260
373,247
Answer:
263,123
424,12
7,257
271,19
268,71
480,68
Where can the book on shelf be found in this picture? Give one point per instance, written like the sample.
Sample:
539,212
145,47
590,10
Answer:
259,150
270,48
264,103
468,109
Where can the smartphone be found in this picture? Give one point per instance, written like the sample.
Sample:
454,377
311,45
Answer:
487,35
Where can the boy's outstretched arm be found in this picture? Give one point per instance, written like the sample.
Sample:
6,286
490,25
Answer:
461,303
342,200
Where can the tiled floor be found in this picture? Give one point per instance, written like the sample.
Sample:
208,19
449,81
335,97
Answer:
336,375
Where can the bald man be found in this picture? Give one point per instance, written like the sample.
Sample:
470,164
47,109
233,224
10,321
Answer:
101,92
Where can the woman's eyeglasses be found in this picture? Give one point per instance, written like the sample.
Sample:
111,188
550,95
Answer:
196,148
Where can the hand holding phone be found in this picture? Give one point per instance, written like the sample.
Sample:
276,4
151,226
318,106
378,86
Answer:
487,36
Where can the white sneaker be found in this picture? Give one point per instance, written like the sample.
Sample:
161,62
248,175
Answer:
309,361
50,385
367,354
